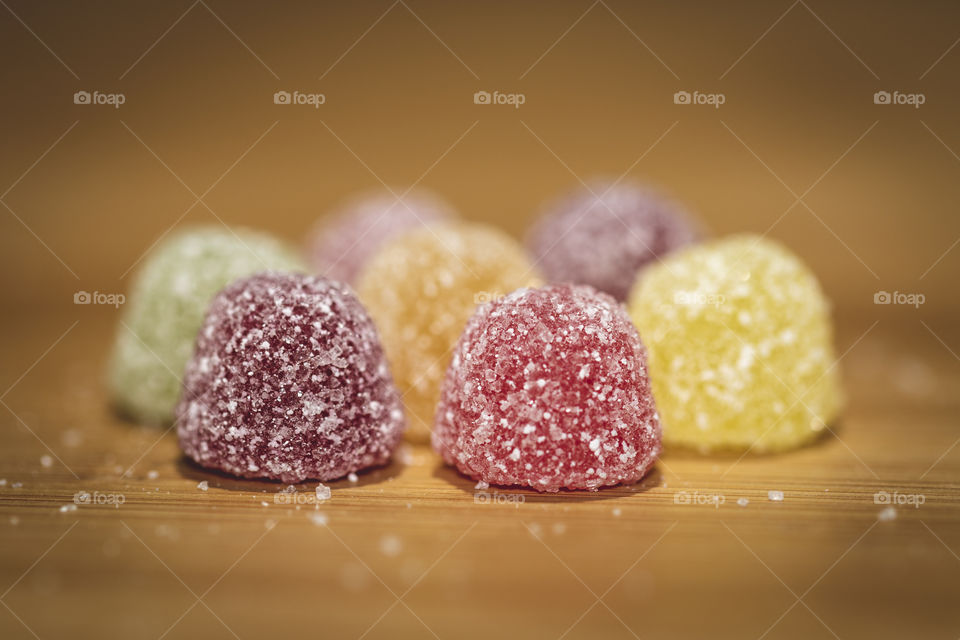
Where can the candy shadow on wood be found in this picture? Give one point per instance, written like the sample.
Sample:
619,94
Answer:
126,416
821,440
451,476
222,480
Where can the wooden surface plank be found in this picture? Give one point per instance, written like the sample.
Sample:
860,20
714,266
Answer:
865,194
413,549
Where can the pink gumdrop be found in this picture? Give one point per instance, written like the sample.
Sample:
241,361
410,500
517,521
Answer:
605,235
288,381
548,389
341,244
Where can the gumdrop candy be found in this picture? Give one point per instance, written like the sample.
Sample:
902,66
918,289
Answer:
341,243
422,288
288,381
603,235
548,389
741,347
165,307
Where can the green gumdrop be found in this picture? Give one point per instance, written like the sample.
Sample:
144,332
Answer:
166,306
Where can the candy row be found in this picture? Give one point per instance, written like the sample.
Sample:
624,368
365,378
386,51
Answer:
286,376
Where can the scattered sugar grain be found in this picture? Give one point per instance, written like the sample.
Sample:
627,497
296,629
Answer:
318,518
888,514
390,545
323,492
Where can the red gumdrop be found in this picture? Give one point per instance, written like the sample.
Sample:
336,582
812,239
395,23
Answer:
548,389
288,381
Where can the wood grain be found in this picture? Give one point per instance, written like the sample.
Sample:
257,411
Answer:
866,194
414,550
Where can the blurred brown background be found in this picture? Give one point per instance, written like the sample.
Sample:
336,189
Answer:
399,80
864,192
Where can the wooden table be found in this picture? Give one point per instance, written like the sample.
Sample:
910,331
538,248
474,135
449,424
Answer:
865,193
414,550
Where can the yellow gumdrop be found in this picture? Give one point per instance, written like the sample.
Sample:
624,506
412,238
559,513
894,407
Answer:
740,347
421,289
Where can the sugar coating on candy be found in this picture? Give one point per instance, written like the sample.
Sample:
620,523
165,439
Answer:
288,382
741,347
422,288
341,244
166,305
605,235
548,389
